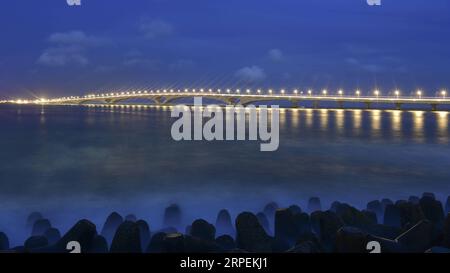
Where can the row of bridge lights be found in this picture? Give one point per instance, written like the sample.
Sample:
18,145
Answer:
340,92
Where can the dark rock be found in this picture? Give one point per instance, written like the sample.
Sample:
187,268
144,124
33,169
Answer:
351,216
351,240
270,209
279,246
334,206
385,202
295,209
4,242
392,216
286,230
203,230
314,204
308,237
372,216
447,205
169,230
384,231
223,223
99,245
302,223
112,222
82,232
127,239
225,242
250,235
445,232
414,199
429,194
326,224
197,245
305,247
174,243
156,244
144,232
53,235
376,207
35,242
418,238
172,216
437,249
410,213
40,226
403,214
18,249
433,211
264,222
130,218
32,218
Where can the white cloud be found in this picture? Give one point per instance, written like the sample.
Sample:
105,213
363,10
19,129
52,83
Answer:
69,48
76,37
275,55
61,56
251,74
155,28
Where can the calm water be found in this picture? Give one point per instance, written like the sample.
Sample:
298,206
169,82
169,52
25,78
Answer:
72,162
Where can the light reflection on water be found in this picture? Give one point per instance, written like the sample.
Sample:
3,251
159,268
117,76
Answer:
73,161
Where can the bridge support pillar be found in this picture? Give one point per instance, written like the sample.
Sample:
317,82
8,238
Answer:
340,104
434,107
294,103
368,105
398,106
315,104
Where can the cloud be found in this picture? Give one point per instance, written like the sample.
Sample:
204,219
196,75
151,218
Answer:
251,74
61,56
136,58
275,55
155,28
76,37
69,48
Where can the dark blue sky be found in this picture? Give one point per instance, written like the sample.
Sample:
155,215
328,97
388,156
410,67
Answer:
50,49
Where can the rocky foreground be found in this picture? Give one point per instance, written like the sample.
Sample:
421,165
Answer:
413,225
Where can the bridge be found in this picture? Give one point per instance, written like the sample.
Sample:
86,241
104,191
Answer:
245,97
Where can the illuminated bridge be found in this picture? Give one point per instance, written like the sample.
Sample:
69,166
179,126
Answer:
247,96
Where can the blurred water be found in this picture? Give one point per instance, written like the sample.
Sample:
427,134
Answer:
72,162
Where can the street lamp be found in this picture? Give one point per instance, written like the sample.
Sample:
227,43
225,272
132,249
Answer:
340,92
444,93
310,92
358,93
419,93
397,93
324,92
282,91
377,92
